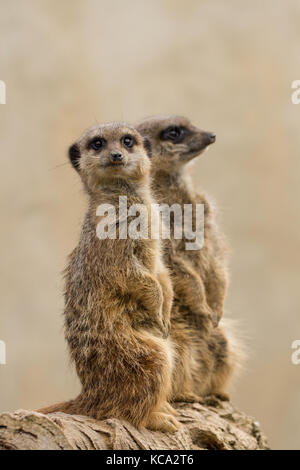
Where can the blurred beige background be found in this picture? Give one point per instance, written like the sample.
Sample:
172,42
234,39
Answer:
228,65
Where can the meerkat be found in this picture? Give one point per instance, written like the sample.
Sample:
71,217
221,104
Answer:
118,294
208,357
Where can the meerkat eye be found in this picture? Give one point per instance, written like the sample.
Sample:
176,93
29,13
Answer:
97,144
174,133
128,141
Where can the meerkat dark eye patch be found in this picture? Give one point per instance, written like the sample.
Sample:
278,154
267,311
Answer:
74,156
147,146
175,134
97,144
128,141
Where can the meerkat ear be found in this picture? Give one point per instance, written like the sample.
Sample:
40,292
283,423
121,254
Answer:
74,156
147,147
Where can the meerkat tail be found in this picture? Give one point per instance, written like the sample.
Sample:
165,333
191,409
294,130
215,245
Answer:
63,407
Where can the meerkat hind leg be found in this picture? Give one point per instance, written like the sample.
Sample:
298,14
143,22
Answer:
161,421
187,397
167,408
222,396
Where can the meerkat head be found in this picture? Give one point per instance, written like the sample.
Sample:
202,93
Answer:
174,140
108,152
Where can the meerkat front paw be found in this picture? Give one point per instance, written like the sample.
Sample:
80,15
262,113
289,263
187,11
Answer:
164,326
166,329
212,315
160,421
215,319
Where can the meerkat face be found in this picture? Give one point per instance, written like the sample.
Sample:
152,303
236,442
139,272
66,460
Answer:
174,140
110,151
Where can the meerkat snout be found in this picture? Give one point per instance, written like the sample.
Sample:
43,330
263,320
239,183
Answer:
116,157
197,141
209,137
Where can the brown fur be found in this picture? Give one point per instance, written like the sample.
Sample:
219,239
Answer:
118,296
205,359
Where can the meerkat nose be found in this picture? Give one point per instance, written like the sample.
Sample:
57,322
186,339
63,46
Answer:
211,137
116,157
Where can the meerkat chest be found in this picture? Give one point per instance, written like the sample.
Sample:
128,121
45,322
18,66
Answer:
147,254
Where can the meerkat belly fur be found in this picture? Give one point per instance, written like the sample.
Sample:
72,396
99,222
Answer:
207,356
118,294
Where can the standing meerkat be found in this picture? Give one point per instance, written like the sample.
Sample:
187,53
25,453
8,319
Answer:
207,357
118,295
